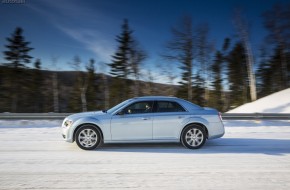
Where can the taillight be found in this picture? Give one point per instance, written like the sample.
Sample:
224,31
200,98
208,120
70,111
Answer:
220,115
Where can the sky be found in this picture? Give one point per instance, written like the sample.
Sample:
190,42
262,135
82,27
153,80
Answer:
60,30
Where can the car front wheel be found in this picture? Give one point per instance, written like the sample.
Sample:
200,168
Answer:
193,137
88,137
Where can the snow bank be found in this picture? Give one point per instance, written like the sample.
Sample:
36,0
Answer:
30,123
278,102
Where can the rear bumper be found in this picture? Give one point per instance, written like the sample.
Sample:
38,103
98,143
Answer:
216,130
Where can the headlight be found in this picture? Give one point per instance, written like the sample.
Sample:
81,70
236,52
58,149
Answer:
68,123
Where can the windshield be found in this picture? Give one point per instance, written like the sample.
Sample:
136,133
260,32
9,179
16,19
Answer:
113,109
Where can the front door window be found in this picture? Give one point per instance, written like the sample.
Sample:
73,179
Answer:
139,108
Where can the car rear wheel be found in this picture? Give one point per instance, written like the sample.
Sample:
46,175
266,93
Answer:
88,137
193,137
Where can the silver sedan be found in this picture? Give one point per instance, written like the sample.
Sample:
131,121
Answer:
142,120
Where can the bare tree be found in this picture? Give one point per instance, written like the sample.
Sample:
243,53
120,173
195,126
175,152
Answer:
83,90
106,88
181,49
170,75
106,91
137,56
80,87
54,60
149,87
204,49
243,33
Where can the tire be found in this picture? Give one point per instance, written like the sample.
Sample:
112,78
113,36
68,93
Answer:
88,137
193,137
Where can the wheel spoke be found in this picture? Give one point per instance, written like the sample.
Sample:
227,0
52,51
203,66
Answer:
90,143
199,133
190,142
87,132
189,133
87,138
199,138
83,134
84,143
194,137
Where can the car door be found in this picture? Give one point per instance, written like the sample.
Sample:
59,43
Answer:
168,119
134,122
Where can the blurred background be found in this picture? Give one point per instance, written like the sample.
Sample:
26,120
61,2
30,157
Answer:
74,56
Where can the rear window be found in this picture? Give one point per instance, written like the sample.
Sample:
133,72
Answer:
168,106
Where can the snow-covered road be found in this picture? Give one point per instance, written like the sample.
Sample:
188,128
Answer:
252,155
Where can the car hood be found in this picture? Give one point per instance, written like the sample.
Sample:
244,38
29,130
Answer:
85,114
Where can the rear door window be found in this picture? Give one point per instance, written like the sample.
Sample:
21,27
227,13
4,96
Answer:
168,106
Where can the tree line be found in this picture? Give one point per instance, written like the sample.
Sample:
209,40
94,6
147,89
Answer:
220,77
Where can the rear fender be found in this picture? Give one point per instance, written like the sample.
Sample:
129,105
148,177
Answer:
195,119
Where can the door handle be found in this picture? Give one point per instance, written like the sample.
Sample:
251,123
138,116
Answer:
179,117
145,118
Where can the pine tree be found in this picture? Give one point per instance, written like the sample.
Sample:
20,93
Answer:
120,62
277,22
264,82
217,80
5,71
125,62
237,76
218,99
18,57
270,74
120,65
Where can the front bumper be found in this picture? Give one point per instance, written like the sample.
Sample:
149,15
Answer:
66,134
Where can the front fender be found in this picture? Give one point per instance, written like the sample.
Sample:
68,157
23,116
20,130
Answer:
81,121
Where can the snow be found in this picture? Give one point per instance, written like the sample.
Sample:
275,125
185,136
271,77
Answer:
278,102
251,155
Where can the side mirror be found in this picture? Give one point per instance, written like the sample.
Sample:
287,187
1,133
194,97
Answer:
121,112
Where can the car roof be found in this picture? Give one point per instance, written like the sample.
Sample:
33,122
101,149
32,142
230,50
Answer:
188,105
155,97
